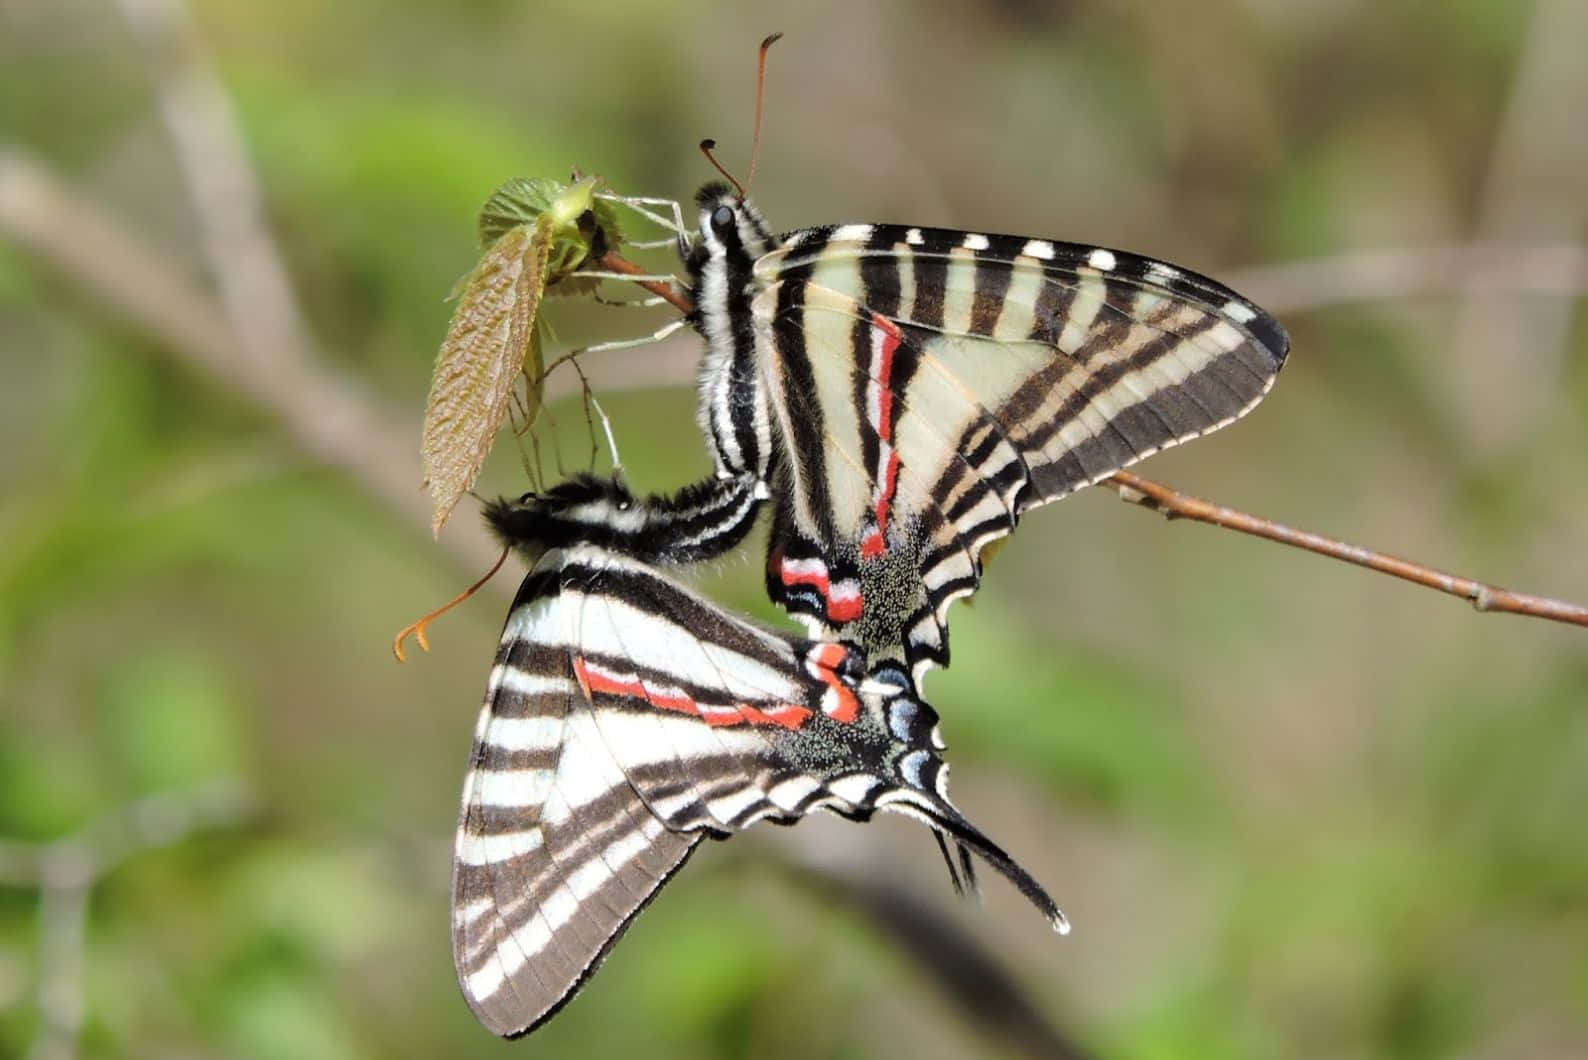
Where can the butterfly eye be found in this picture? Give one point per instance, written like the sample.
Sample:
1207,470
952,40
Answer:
526,498
722,219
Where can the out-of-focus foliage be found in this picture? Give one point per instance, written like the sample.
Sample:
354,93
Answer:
1292,809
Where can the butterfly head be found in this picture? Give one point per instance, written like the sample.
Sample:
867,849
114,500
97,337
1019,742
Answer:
569,512
731,230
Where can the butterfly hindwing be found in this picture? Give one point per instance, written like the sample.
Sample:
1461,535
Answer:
555,852
626,718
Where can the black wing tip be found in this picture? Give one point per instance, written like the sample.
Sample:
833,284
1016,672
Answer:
1272,335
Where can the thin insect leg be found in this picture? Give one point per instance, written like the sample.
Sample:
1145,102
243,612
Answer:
631,277
619,303
677,224
537,473
612,443
622,344
518,407
606,422
652,244
638,204
524,428
556,445
587,399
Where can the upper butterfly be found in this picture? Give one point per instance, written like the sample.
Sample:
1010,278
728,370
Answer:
904,395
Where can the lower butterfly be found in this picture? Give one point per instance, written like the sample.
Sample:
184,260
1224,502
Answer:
626,719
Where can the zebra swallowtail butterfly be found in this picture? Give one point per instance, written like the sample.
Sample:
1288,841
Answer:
627,717
903,395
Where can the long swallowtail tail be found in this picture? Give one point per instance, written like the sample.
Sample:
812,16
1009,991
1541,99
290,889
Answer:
626,718
904,395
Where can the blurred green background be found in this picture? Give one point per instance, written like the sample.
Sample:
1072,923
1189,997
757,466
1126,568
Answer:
1293,809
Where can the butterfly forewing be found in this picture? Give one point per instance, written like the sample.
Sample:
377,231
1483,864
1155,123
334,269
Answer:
933,385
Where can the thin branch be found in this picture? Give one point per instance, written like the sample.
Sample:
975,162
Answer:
1175,505
614,262
249,270
1533,189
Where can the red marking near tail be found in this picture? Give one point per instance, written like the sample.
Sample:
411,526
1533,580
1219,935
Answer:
824,662
844,601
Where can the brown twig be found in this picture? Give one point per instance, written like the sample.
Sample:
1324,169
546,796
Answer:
612,261
1176,505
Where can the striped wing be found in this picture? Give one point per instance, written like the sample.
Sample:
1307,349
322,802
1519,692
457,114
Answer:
555,852
931,386
627,717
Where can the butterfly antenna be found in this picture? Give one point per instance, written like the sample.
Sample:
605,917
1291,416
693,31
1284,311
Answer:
708,146
418,628
760,100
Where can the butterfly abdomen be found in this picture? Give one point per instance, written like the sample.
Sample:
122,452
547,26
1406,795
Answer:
700,521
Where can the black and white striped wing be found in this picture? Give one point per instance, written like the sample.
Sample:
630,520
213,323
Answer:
931,386
627,717
555,852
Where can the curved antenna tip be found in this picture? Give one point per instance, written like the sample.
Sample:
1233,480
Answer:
771,39
708,144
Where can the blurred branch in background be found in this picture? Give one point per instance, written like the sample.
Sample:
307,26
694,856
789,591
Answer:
1532,190
329,416
957,964
1387,275
65,870
251,278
